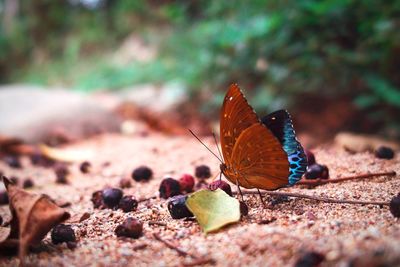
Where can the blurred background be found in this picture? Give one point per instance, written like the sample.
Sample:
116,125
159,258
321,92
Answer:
334,64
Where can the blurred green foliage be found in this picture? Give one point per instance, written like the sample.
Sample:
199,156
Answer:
278,50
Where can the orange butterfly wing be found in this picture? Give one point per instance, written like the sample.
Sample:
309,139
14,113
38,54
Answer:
236,116
253,155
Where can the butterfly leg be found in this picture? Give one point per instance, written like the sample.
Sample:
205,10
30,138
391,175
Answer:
220,176
261,197
239,191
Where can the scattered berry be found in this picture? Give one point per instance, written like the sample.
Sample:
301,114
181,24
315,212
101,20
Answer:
128,203
142,173
85,167
384,152
310,157
38,159
394,206
169,187
1,221
28,183
222,185
310,259
244,209
130,228
202,172
3,198
97,200
177,207
186,183
62,172
13,162
111,197
62,233
125,183
317,171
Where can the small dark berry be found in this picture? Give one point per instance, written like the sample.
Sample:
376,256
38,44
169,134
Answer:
310,157
394,206
1,221
169,187
85,167
62,233
384,152
317,171
177,207
3,198
310,259
186,183
111,197
222,185
125,183
13,162
244,209
130,228
203,172
62,172
14,180
128,203
28,183
38,159
142,173
97,200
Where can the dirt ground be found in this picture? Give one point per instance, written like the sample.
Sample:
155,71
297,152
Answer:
348,235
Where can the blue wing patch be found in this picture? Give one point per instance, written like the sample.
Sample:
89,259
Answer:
280,124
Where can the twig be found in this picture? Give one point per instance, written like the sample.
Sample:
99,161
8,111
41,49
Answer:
157,223
338,180
323,199
198,260
172,246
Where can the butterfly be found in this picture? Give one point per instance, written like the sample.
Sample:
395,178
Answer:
262,154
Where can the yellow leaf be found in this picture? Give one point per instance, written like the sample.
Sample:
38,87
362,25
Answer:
213,209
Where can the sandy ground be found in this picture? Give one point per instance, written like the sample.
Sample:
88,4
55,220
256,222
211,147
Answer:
345,234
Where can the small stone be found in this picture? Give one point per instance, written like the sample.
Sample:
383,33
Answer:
384,152
244,209
125,183
177,207
128,203
317,171
62,233
97,200
203,172
169,187
28,183
186,183
310,157
112,197
222,185
61,172
394,206
13,162
85,167
310,259
142,173
3,198
129,228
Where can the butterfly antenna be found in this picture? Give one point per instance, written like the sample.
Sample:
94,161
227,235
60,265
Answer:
205,145
216,143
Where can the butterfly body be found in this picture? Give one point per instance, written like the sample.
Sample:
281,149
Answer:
261,154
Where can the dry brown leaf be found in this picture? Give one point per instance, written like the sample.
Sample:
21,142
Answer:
33,216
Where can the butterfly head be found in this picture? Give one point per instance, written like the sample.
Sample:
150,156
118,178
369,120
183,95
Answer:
223,167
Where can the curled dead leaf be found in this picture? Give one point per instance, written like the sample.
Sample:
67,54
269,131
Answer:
65,155
33,216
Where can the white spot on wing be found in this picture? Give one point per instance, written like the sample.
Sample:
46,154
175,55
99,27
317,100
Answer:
230,98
